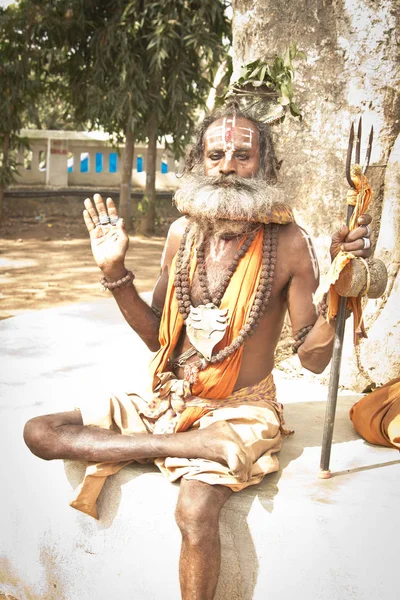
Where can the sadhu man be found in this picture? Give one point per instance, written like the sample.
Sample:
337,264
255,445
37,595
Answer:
232,266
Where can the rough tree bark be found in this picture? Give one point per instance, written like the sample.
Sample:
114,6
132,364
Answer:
5,154
352,69
147,221
125,208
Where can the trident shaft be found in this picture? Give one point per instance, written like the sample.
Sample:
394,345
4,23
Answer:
340,318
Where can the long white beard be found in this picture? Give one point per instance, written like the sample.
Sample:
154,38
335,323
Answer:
224,206
229,198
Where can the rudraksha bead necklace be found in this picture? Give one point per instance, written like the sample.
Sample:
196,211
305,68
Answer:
262,296
218,294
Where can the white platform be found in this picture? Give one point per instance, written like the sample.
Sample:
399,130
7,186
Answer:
293,536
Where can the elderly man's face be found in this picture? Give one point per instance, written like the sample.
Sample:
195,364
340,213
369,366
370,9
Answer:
231,146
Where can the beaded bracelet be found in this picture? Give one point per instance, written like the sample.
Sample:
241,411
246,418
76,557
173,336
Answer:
113,285
323,306
300,337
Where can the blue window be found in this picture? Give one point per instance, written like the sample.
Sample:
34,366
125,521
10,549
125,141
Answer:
113,162
164,166
99,162
84,162
139,164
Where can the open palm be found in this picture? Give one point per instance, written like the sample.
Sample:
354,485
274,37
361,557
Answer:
109,242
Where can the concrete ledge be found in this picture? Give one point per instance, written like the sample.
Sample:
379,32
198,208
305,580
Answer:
292,536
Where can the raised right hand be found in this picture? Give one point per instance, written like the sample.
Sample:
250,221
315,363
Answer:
109,242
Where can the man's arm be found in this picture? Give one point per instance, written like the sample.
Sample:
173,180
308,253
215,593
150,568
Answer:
109,247
145,320
316,351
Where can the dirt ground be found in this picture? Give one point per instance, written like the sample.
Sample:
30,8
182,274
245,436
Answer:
49,263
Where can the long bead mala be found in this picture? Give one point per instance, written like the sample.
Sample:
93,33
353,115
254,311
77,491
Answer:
221,289
262,296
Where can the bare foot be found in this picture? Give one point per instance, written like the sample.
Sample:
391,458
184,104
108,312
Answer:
223,444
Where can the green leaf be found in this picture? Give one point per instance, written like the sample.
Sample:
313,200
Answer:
263,72
294,110
254,72
286,95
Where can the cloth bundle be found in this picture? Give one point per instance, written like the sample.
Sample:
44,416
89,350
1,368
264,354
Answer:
376,417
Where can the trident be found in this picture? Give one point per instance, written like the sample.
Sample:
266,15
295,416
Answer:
330,412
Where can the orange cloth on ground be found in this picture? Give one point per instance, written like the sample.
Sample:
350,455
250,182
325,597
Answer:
360,198
376,417
218,380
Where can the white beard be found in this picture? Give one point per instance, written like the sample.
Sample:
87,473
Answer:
228,198
223,207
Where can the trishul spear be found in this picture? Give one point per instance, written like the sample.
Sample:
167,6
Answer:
341,314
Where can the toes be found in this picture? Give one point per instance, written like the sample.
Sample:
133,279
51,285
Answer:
243,467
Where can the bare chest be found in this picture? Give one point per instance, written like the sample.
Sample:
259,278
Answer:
214,275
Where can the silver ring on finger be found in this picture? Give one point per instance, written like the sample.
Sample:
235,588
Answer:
104,220
367,243
114,220
368,228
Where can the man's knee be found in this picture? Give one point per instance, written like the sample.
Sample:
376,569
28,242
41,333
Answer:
41,438
197,514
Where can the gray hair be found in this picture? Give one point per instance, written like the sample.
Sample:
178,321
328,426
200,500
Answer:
269,164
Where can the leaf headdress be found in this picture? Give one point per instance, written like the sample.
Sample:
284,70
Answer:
266,89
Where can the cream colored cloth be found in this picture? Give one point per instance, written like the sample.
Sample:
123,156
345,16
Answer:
253,413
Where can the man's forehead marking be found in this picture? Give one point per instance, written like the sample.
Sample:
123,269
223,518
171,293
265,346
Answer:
225,134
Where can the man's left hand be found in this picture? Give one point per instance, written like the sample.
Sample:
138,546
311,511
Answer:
357,241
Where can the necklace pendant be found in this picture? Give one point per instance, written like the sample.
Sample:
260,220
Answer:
205,327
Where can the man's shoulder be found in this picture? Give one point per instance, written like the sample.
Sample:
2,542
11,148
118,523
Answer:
293,235
175,233
296,251
296,245
177,228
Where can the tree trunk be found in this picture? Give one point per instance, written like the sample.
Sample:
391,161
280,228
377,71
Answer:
5,150
125,205
351,69
147,223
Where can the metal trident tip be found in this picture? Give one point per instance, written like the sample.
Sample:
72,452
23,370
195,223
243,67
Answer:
358,142
369,148
349,153
357,151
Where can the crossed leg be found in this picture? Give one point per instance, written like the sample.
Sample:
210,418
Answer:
197,516
63,435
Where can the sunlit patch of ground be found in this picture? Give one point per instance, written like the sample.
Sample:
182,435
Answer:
42,268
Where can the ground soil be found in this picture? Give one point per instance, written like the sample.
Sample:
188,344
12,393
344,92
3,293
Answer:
49,263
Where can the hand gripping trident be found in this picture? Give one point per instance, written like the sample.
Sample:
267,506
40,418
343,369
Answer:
324,472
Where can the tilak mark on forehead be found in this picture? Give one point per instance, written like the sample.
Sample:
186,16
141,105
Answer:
226,135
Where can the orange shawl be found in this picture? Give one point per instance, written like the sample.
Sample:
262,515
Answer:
218,380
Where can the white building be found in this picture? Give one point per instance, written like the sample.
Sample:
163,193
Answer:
65,159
